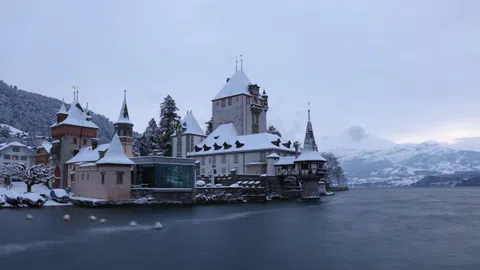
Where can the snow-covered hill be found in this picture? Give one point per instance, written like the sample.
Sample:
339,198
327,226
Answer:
404,164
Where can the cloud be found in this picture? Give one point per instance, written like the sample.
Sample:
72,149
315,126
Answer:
356,133
466,143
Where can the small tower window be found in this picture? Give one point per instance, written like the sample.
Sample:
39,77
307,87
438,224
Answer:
230,102
74,140
223,102
119,178
103,178
84,141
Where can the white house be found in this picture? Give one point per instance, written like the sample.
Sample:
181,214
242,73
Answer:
16,152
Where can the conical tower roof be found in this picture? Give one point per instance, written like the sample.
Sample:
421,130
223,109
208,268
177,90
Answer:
123,117
310,149
63,109
191,126
115,154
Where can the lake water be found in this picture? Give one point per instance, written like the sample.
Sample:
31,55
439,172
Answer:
360,229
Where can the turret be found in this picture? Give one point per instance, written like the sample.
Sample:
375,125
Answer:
124,128
265,97
62,113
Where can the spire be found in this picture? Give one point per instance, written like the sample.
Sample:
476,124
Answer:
241,62
123,117
309,142
309,111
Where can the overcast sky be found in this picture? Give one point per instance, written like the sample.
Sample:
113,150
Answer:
378,71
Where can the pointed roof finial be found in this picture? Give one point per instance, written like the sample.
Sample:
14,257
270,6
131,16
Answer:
309,111
77,93
241,62
236,63
74,92
124,94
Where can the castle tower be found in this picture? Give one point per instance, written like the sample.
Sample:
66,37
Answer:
124,128
72,131
240,102
186,136
310,165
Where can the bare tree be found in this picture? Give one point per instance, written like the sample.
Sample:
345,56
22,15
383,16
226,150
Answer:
334,169
33,175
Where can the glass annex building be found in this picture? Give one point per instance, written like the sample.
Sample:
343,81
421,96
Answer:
163,172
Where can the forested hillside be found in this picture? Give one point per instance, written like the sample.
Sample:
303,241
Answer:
34,113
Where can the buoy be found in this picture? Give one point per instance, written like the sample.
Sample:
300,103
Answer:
93,218
133,223
28,217
66,217
103,220
158,226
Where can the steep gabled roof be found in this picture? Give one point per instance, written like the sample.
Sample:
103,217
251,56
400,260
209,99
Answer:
86,154
17,144
115,154
225,139
123,117
236,85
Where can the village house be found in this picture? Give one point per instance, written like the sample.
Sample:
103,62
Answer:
16,152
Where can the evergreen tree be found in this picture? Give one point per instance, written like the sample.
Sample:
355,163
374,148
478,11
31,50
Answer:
4,134
148,141
168,121
209,126
273,130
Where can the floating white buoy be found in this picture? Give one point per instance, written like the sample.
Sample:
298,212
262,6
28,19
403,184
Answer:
158,226
28,217
93,218
103,220
66,217
132,223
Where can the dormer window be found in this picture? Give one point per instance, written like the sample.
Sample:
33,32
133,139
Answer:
216,146
239,144
206,148
226,146
288,144
197,149
216,137
277,142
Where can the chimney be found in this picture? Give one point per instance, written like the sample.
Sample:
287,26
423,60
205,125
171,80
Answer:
296,145
228,79
94,143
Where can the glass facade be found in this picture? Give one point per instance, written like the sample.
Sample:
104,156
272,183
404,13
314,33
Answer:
164,176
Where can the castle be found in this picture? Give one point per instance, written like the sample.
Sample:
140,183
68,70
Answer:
81,164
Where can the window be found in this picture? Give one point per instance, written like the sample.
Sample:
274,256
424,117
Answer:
223,102
15,158
119,178
88,176
84,141
23,158
6,157
224,159
248,100
209,160
16,149
235,158
229,101
103,178
217,103
214,160
237,99
202,161
224,170
202,171
74,140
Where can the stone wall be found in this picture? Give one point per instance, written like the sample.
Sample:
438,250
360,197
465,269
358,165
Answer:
163,196
214,195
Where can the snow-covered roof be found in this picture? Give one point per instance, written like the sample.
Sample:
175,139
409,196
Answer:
190,125
86,154
289,160
273,155
236,85
115,154
225,139
123,117
8,145
63,109
310,156
76,117
13,130
46,145
254,163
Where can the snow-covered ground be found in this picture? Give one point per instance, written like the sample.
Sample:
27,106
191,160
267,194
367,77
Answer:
20,187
